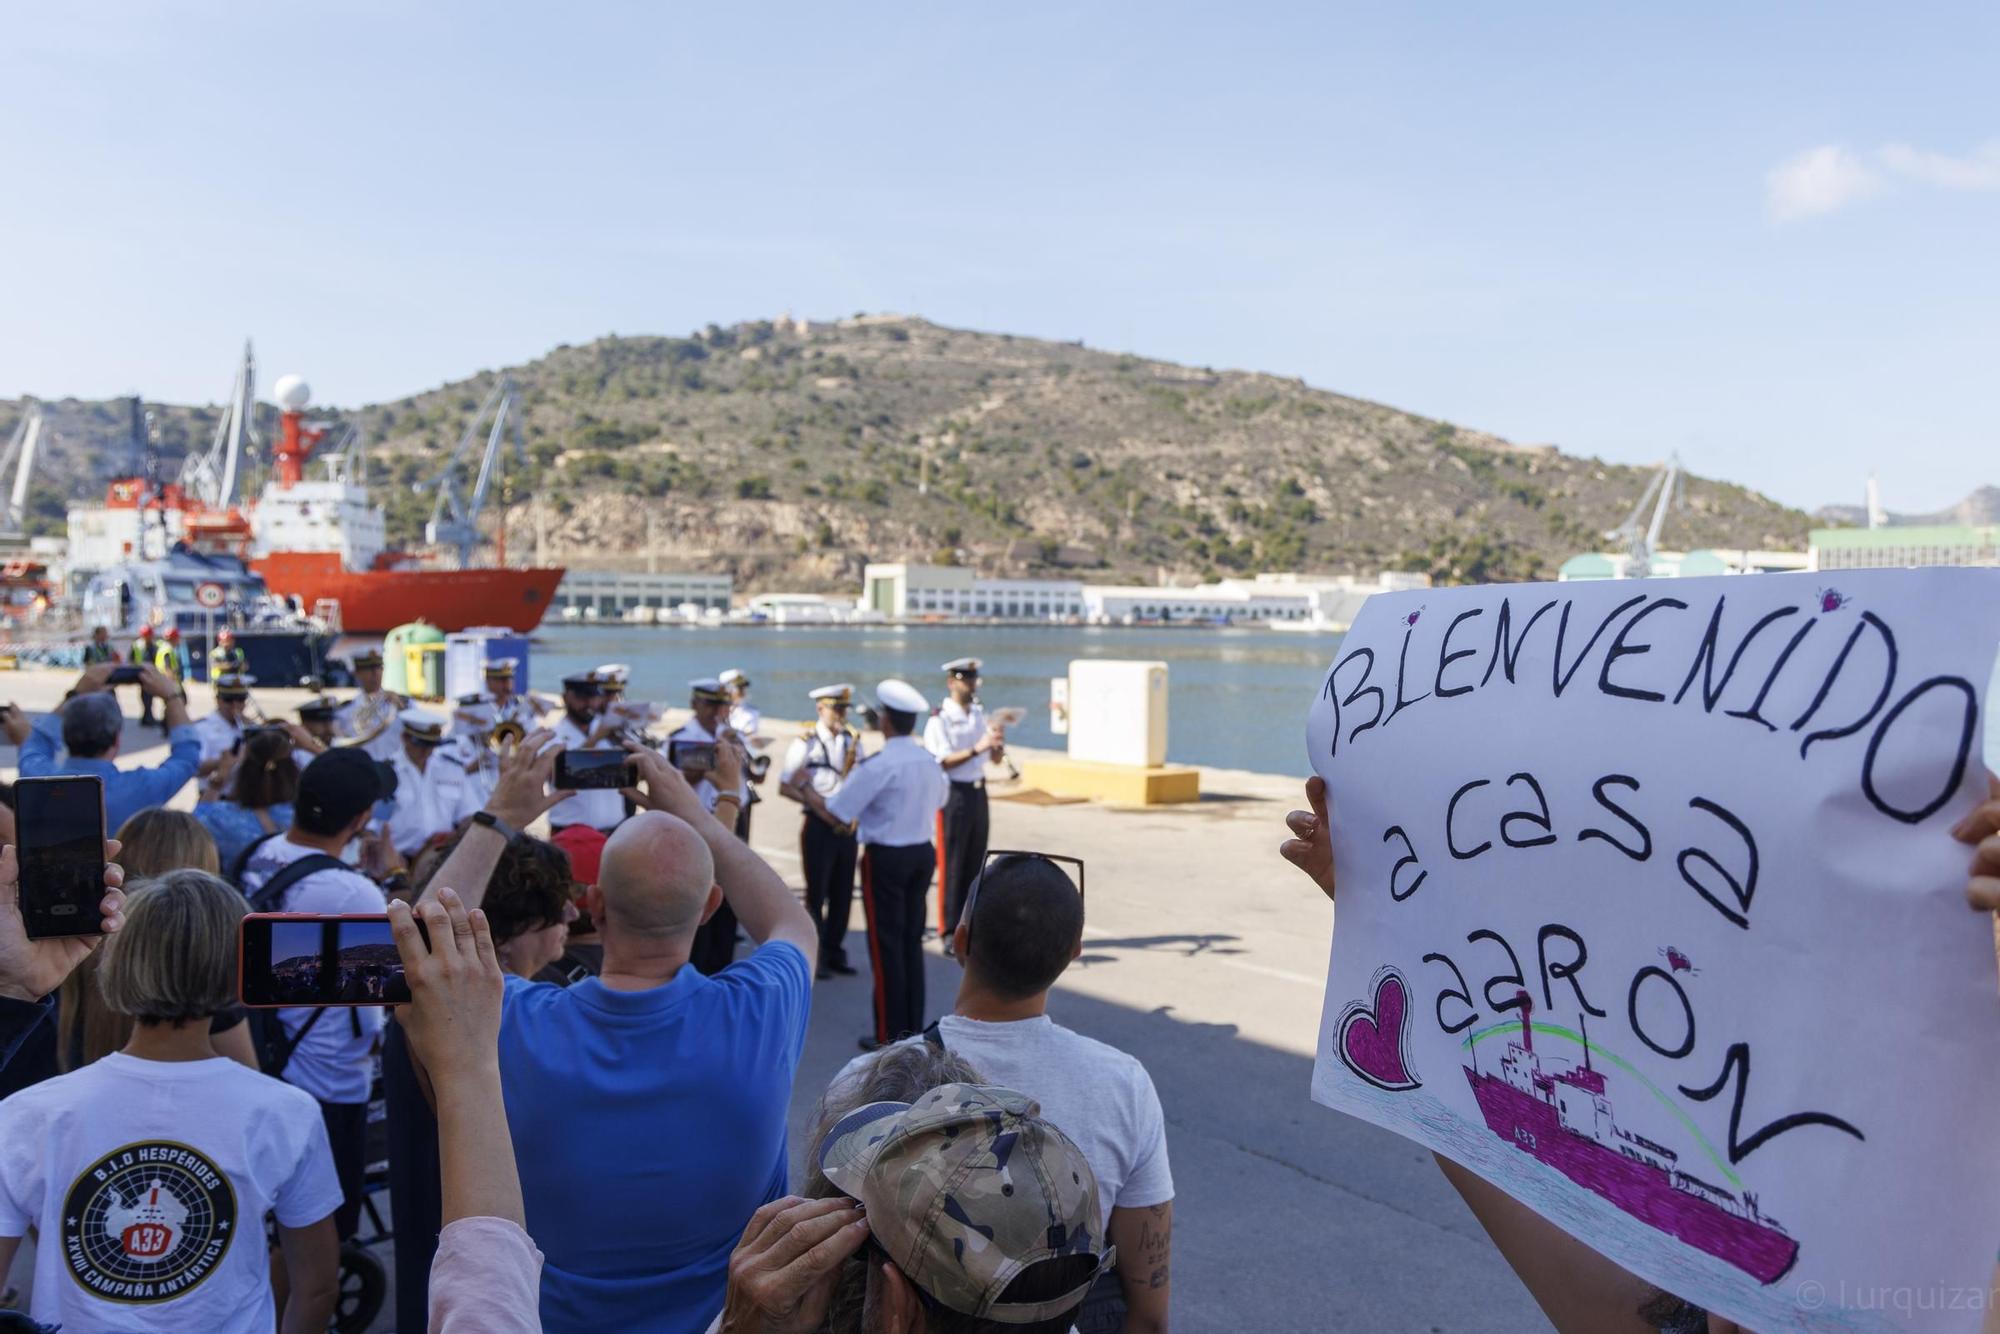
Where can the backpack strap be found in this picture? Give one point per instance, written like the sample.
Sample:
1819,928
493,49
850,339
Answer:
935,1037
272,893
282,1046
266,899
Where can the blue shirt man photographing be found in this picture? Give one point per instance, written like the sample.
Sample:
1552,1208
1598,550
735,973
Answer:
90,726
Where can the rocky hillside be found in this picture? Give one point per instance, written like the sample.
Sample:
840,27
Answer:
791,454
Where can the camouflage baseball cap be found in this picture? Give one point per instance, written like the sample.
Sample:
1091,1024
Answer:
967,1187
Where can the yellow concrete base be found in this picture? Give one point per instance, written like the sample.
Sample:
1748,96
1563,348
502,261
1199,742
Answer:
1121,784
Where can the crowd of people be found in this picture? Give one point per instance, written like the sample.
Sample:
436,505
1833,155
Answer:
587,1096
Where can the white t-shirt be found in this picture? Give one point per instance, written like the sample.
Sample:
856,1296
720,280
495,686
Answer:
332,1061
1099,1096
141,1174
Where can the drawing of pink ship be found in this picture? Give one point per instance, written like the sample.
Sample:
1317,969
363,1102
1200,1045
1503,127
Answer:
1564,1120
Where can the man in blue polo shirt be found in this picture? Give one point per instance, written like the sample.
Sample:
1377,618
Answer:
90,726
648,1103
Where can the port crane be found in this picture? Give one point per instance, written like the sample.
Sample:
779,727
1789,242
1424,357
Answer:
1640,536
454,520
20,460
211,478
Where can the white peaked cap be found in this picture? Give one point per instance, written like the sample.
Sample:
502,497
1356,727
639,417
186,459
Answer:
901,696
422,721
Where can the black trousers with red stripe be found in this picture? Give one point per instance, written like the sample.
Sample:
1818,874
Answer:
894,884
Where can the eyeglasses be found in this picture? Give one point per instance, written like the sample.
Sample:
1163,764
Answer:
1055,859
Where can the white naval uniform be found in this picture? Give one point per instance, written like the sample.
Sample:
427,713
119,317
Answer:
746,719
388,743
471,757
601,808
217,736
428,801
694,731
893,796
822,751
953,728
516,710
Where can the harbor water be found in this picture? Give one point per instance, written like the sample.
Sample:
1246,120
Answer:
1237,697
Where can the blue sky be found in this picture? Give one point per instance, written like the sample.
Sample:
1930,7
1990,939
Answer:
1764,239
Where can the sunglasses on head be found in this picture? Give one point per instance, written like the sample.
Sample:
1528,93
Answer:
1055,859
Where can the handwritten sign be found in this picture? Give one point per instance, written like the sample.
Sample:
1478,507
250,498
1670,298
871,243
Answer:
1650,915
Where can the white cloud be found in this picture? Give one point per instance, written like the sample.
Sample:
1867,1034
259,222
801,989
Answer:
1817,181
1977,170
1831,176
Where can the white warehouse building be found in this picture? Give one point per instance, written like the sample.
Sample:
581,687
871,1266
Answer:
947,592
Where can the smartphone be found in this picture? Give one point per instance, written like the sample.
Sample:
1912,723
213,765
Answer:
125,674
696,756
586,770
60,823
286,959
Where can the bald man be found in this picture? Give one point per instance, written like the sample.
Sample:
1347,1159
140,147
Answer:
648,1103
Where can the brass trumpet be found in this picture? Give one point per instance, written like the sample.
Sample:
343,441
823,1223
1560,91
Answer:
505,732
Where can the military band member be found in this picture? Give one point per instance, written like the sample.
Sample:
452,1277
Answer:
821,760
431,797
630,716
509,704
369,718
222,731
893,798
961,738
316,722
469,748
744,716
581,728
715,942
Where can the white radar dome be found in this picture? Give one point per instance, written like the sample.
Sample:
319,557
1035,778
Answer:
291,391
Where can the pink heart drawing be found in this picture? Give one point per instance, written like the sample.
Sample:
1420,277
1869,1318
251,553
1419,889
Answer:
1371,1041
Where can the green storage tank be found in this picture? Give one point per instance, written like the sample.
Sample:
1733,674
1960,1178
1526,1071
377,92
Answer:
396,658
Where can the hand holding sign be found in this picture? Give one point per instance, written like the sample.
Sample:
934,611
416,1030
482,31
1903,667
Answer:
1982,830
1642,921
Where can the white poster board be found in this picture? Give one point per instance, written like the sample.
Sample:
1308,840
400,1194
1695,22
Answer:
1649,913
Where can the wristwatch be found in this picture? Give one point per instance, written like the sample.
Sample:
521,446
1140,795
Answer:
496,824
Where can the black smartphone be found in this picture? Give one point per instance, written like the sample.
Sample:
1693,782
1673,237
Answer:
125,674
316,959
61,849
588,770
693,756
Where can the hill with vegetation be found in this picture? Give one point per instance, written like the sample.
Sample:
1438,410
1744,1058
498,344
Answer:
791,453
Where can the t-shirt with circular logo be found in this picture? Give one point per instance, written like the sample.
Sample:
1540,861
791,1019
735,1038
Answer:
140,1175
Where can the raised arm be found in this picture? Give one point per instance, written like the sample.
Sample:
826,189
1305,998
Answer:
762,901
1579,1290
520,796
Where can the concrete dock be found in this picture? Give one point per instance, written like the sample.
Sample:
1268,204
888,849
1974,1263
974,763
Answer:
1205,957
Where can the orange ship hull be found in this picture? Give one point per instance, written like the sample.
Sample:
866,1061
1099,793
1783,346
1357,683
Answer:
373,602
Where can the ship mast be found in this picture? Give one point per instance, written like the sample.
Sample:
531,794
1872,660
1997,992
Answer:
296,440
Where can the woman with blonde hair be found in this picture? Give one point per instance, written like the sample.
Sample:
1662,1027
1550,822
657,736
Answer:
142,1169
154,842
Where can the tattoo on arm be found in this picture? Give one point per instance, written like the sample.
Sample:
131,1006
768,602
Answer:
1156,1237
